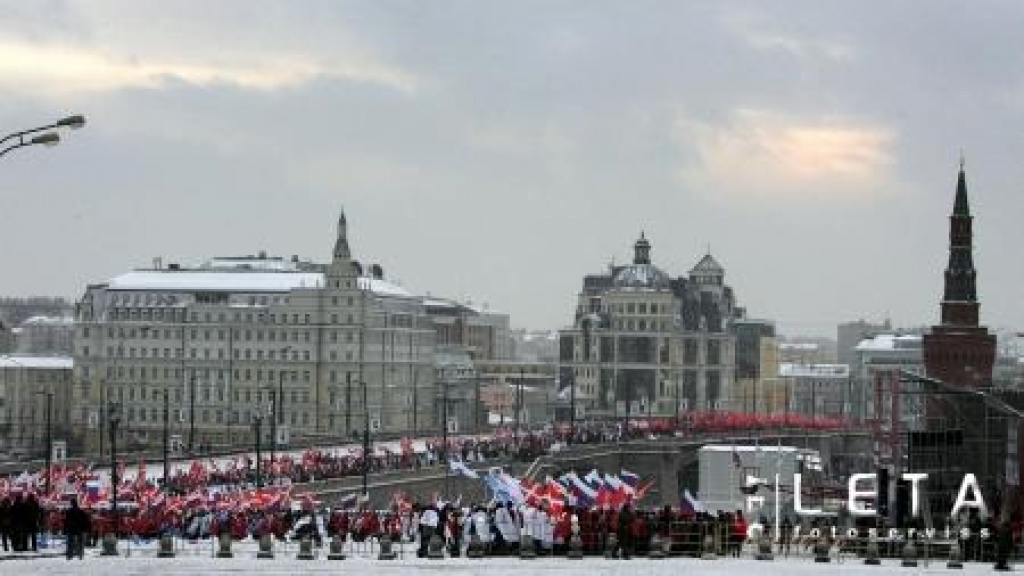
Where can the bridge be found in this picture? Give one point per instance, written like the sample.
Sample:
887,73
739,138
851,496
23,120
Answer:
669,462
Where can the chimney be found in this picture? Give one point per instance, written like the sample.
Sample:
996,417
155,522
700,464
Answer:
377,272
263,254
158,263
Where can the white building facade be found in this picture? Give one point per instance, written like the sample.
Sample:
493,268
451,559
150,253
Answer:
297,343
27,384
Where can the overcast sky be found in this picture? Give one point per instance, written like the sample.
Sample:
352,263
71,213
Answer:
499,151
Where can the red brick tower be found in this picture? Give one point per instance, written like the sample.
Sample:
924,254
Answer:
959,351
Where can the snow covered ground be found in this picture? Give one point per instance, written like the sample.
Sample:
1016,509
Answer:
150,566
193,559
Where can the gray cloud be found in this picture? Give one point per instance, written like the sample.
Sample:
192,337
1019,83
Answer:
501,151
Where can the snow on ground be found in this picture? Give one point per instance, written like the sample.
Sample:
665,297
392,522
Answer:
188,566
198,558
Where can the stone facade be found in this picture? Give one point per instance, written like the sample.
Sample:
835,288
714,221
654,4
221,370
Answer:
46,336
646,344
238,337
25,384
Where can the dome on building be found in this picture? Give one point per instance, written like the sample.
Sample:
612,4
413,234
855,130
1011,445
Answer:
642,276
641,273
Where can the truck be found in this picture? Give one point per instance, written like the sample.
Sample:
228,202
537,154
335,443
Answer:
743,477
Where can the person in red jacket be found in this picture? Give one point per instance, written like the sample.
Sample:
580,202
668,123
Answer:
739,533
588,530
563,530
638,531
239,527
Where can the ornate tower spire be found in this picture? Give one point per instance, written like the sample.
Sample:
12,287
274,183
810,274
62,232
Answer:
341,250
960,300
958,350
642,251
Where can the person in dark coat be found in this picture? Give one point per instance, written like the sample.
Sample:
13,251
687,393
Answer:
33,516
17,523
624,533
76,525
5,524
786,535
1004,546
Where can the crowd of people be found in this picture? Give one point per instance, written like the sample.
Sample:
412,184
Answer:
328,464
502,444
20,518
494,528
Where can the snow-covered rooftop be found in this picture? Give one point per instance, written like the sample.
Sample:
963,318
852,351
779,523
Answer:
237,281
215,281
265,264
40,362
798,346
436,302
383,287
748,448
791,370
890,342
49,320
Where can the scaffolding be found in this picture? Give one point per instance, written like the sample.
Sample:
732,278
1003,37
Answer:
963,431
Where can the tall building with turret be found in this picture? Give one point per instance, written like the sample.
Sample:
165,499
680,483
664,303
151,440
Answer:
958,350
316,350
646,344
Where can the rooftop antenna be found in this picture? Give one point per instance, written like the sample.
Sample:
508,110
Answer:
961,159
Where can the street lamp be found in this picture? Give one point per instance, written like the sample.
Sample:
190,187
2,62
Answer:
279,398
192,412
166,435
44,134
49,438
257,426
444,434
519,407
114,412
366,443
273,419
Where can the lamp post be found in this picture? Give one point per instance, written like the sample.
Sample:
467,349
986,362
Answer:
572,409
114,414
444,433
273,423
279,398
49,438
192,412
519,407
366,443
25,138
257,426
167,438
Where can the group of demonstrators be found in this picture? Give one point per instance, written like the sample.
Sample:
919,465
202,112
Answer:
205,498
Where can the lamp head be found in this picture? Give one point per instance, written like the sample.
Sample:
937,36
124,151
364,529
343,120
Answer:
47,139
74,122
115,413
